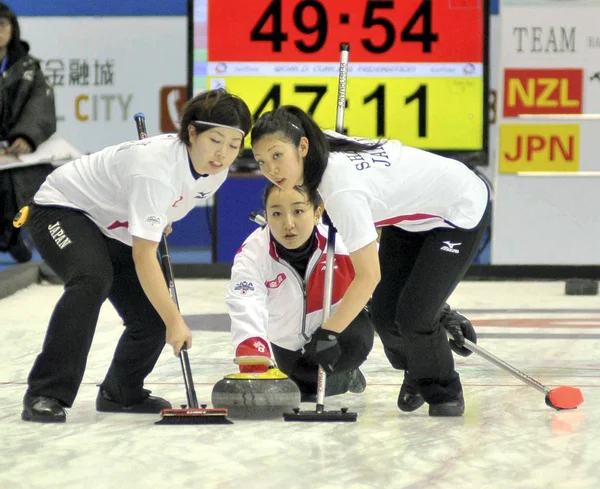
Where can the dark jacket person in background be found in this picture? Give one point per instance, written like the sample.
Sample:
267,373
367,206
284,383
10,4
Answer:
27,119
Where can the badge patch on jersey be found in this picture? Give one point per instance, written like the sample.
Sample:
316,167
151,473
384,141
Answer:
154,221
244,287
276,282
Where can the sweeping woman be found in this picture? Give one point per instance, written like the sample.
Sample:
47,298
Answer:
433,212
97,222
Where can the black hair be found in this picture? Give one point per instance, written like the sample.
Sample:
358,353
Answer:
216,106
7,13
292,123
270,186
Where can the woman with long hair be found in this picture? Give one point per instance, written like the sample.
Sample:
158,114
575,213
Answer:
433,212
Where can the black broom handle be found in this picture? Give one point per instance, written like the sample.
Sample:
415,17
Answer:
167,269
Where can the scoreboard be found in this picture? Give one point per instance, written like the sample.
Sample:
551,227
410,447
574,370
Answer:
416,72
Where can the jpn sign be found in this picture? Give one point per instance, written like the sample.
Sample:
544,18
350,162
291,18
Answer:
539,147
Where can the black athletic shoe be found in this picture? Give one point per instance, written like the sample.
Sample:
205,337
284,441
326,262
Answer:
20,250
455,407
409,398
148,404
358,383
43,409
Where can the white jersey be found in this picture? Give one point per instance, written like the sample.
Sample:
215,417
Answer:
399,186
131,189
267,298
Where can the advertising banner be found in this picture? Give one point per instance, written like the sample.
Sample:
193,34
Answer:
105,69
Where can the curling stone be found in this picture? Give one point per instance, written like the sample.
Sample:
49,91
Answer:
256,395
581,286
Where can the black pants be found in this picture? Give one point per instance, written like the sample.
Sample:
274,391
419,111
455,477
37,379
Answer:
356,341
94,268
419,271
17,188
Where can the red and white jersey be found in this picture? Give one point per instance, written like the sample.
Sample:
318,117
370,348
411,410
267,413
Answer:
131,189
267,298
400,186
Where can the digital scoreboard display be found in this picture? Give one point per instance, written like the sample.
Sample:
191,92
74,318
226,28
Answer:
416,71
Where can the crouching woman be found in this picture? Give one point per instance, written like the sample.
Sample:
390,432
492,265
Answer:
275,298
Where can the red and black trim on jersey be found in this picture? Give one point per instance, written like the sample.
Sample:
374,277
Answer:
343,275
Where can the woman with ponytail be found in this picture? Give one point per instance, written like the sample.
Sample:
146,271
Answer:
433,211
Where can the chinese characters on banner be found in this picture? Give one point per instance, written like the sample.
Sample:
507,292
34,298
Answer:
77,72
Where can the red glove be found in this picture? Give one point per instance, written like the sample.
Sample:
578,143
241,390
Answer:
253,347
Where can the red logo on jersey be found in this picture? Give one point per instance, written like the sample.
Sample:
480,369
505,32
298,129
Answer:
276,282
177,201
118,224
343,274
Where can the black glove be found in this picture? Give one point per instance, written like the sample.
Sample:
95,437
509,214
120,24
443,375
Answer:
460,328
325,349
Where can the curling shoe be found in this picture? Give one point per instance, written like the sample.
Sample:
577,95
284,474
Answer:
147,405
358,383
409,399
454,407
43,409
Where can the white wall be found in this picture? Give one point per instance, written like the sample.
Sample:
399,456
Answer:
542,218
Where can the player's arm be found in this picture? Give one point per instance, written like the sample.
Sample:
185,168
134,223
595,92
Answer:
246,300
149,199
367,275
351,214
153,282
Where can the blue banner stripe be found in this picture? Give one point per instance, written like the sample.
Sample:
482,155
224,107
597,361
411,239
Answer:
100,8
495,7
119,8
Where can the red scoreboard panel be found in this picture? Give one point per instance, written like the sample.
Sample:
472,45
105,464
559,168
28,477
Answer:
416,70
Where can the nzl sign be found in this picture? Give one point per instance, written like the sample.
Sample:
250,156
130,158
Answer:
544,91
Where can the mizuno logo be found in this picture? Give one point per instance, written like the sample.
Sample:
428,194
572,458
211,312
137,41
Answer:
449,246
202,195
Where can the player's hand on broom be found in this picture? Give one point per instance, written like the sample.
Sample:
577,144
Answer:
178,334
460,328
325,349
